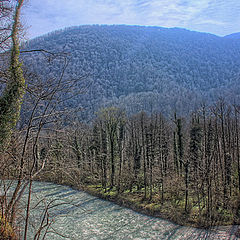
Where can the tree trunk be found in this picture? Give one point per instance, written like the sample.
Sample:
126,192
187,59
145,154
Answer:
11,99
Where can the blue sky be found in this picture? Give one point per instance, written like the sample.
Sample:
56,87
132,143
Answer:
220,17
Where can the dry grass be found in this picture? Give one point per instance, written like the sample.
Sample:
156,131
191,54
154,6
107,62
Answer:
6,230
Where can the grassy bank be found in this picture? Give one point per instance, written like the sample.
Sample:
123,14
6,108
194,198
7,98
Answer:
171,208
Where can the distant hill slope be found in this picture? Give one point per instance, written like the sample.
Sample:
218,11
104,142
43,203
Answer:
233,36
150,68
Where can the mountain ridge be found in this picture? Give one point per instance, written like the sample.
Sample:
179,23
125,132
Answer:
233,35
176,64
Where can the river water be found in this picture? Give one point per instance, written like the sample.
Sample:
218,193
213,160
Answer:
79,216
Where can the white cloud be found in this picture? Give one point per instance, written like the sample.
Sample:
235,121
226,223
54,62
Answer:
211,21
48,15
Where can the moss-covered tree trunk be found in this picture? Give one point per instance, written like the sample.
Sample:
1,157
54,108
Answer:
11,99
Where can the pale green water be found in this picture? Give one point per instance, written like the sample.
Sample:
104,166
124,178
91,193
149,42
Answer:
83,216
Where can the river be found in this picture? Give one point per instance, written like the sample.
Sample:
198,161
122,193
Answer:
80,216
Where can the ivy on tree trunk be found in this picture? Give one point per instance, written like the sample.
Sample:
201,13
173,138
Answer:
11,99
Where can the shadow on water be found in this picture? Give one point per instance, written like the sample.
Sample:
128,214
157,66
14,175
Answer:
81,216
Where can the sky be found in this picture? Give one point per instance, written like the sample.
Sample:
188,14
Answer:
220,17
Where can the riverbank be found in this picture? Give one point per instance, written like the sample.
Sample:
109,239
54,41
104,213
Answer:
135,201
168,209
80,215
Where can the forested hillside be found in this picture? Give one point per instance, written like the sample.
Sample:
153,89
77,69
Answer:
143,68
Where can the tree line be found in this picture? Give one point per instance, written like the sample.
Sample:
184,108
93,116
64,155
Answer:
190,164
